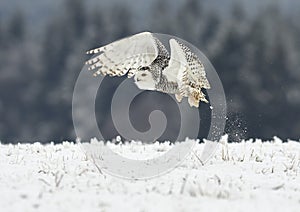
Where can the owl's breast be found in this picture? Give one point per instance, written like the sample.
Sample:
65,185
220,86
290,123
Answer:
166,86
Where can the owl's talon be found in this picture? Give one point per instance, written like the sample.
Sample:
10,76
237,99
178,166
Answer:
193,102
178,97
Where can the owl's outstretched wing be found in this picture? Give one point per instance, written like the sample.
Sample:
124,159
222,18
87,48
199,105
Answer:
189,72
125,55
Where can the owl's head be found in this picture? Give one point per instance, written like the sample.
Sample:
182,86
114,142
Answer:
143,79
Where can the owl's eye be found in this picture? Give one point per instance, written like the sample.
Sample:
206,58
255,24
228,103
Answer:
144,68
143,74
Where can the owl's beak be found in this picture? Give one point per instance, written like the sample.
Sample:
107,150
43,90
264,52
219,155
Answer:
137,79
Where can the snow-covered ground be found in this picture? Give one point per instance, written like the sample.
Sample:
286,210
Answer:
247,176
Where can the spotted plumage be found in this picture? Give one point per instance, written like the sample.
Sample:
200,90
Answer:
145,58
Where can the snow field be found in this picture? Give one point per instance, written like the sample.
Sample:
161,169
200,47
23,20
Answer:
246,176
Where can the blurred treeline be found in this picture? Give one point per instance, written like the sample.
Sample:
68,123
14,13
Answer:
257,58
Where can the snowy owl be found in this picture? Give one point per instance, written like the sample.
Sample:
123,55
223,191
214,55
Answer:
145,58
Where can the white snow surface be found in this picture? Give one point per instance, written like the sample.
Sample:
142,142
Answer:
247,176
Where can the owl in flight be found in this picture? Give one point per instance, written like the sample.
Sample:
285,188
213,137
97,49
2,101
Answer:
145,58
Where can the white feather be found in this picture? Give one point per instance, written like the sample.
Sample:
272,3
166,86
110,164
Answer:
117,58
